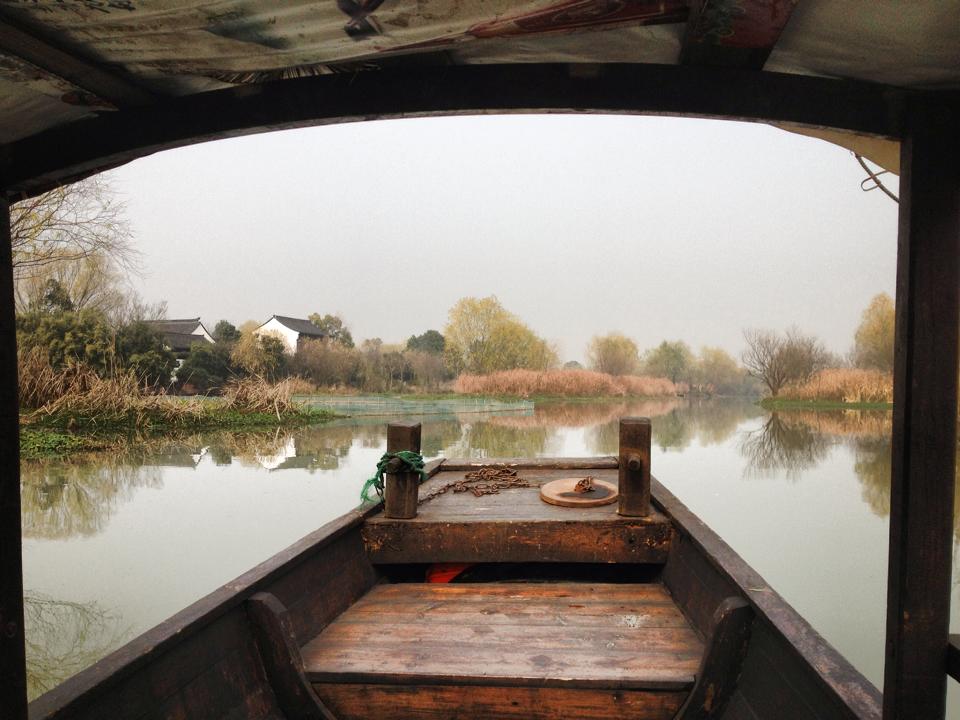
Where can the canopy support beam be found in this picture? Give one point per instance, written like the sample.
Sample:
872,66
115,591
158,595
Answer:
924,445
81,148
13,687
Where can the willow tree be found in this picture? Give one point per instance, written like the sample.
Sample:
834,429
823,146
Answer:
482,337
673,360
873,342
613,353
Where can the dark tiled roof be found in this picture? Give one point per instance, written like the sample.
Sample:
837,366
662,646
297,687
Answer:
182,327
304,327
182,341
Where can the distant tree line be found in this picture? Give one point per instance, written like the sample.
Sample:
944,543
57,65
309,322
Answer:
73,254
713,371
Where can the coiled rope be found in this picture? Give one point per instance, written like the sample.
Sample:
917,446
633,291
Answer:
413,462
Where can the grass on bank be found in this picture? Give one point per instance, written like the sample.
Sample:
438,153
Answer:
74,409
49,444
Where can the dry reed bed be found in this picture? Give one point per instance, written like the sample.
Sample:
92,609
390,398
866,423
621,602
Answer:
563,383
77,391
846,385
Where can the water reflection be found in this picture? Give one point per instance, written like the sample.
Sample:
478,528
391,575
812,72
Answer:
781,444
872,467
286,483
63,500
64,637
675,423
797,441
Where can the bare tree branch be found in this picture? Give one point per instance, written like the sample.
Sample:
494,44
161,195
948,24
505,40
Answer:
70,223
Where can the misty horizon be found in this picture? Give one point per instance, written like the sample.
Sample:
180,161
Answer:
659,228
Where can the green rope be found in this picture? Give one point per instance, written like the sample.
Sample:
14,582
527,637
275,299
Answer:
413,461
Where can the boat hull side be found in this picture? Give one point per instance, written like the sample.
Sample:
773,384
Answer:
790,672
203,661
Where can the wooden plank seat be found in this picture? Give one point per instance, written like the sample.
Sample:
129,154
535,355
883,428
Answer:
506,650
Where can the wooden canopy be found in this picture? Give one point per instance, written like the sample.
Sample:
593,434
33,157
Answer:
89,84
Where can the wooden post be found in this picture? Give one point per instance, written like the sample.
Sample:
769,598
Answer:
634,475
401,489
13,672
924,444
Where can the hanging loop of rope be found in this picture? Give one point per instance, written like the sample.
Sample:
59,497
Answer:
407,461
872,181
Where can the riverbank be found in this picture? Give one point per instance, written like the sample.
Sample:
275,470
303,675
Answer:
59,436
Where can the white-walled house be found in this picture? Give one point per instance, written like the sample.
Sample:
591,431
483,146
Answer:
291,330
179,335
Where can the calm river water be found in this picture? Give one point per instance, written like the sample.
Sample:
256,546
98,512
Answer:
112,548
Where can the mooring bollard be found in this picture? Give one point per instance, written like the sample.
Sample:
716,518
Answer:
634,467
401,489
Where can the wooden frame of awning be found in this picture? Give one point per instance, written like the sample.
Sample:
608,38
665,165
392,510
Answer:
928,280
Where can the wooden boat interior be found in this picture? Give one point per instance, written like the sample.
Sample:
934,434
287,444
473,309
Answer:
548,612
92,84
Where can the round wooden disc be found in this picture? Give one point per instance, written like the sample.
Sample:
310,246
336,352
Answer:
561,492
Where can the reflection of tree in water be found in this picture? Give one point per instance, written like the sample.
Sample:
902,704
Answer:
323,447
438,435
873,469
679,423
780,445
872,466
484,438
589,414
673,430
64,637
717,420
67,499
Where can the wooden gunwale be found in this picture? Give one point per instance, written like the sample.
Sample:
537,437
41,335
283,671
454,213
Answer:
126,660
144,649
837,676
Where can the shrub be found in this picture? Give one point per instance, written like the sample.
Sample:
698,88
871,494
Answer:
326,363
141,349
68,337
206,367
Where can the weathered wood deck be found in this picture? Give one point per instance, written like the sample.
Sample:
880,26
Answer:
515,525
510,649
440,650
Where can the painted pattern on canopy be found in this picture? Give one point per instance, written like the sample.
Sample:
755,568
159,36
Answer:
177,47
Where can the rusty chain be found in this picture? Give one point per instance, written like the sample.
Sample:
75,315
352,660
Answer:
485,481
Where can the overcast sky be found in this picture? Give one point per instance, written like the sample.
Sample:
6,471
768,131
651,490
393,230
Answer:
659,228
